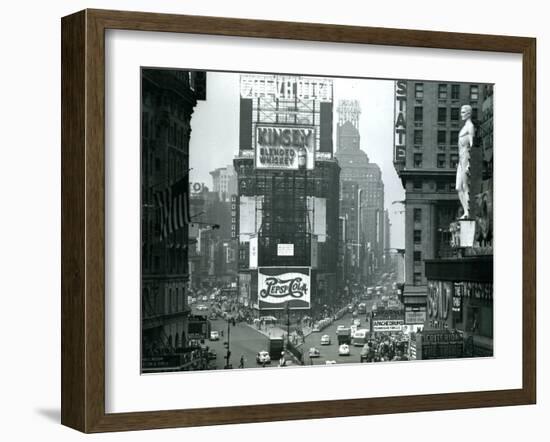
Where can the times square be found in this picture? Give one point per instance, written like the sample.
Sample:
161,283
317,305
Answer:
284,255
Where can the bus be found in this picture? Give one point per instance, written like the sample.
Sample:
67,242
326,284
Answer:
360,338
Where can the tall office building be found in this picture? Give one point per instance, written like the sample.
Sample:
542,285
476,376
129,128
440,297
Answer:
427,125
168,101
287,221
365,217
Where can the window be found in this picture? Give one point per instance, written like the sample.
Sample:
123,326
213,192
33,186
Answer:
441,160
442,91
455,92
419,91
441,114
441,137
417,185
417,215
417,137
417,278
455,114
417,236
474,113
454,160
417,160
441,186
474,92
418,113
417,255
454,138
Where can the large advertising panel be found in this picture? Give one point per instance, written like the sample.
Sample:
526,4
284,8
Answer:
282,286
285,147
387,325
400,121
286,87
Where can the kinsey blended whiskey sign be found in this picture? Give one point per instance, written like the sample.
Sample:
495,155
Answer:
285,147
278,286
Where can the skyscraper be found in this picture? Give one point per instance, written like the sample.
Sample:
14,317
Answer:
366,216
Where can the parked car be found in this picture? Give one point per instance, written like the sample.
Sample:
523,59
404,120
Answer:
214,335
314,353
262,357
343,350
325,340
330,362
201,307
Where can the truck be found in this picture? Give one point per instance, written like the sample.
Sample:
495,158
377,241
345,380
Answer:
344,335
276,346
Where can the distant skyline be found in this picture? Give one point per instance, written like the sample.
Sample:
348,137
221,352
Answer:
215,133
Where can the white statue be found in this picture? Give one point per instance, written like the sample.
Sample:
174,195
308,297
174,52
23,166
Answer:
465,144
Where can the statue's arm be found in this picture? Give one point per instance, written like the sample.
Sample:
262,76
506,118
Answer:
471,134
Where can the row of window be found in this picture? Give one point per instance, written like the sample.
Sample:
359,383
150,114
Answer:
443,91
442,137
441,160
442,114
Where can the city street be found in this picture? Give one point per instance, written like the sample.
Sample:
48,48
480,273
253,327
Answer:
243,341
330,352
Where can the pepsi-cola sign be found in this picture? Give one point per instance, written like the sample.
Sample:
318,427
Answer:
282,286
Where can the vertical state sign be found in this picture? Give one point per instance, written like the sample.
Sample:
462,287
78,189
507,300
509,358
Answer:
400,121
279,285
285,147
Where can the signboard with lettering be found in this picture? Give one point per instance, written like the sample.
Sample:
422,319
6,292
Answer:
400,121
285,147
415,315
286,87
387,325
439,344
285,249
278,286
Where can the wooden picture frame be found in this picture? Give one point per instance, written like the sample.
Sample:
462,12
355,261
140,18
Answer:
83,220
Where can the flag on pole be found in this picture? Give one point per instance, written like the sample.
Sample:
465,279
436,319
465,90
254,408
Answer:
174,207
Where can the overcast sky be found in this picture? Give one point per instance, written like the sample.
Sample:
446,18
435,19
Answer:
215,133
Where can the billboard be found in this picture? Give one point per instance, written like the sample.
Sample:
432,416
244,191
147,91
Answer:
286,87
285,147
400,121
278,286
387,325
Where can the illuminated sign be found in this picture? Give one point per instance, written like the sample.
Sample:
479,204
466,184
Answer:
400,121
286,87
387,325
415,315
285,249
285,147
282,286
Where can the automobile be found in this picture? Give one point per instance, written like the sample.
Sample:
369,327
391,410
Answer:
357,322
343,350
211,355
340,327
314,353
201,307
262,357
325,340
353,329
331,362
214,335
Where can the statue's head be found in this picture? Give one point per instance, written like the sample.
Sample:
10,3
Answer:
466,112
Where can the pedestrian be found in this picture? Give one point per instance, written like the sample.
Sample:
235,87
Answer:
241,362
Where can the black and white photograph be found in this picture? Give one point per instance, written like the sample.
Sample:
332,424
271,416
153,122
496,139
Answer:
292,220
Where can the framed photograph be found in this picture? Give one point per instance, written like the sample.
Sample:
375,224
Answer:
267,221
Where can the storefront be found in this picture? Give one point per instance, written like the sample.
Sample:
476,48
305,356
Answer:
460,298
